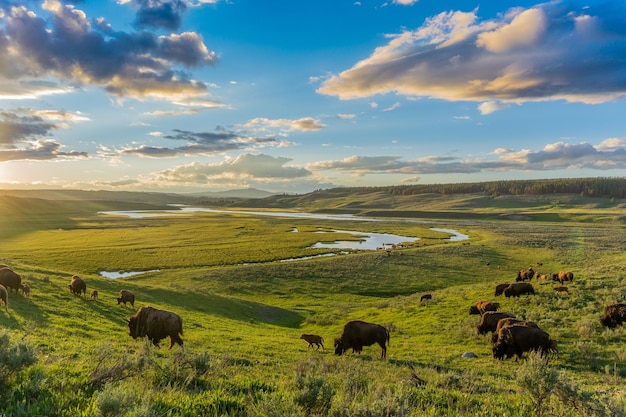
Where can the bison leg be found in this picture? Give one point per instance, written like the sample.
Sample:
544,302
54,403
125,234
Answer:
176,339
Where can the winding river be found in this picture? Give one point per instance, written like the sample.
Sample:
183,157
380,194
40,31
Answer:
367,241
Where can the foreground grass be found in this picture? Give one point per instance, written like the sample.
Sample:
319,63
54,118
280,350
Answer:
244,311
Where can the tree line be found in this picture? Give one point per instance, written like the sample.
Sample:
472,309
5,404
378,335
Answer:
585,187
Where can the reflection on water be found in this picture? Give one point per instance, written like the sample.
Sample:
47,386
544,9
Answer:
367,241
456,236
108,274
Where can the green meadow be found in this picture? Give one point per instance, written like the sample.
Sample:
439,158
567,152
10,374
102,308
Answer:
244,309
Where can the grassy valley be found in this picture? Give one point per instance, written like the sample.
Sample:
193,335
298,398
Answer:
244,309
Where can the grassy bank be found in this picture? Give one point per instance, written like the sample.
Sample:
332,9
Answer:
244,310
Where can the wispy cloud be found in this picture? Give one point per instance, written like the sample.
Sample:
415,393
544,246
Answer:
553,51
609,154
23,134
303,124
201,143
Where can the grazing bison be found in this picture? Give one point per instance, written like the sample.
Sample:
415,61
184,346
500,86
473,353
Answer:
25,290
77,286
614,315
525,275
489,321
517,339
500,288
510,321
156,325
561,289
313,339
10,279
482,306
518,288
426,297
563,276
126,296
4,297
94,294
357,333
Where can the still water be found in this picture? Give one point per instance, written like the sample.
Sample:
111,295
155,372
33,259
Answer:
367,240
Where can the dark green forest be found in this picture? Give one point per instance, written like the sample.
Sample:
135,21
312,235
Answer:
585,187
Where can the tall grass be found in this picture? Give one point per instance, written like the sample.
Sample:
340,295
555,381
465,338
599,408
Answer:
72,356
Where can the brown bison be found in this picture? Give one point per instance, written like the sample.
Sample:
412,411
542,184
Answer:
426,297
77,286
525,275
517,339
510,321
25,290
313,339
489,321
518,288
94,294
561,289
4,297
10,279
563,276
126,296
156,325
500,288
482,306
614,315
357,333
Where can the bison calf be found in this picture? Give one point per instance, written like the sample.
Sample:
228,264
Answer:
94,294
313,339
357,333
25,290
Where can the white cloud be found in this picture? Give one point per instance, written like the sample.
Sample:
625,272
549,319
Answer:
553,51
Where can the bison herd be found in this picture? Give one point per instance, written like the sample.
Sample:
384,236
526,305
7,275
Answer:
510,337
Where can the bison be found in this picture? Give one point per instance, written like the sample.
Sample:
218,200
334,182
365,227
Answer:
525,275
426,297
510,321
518,288
563,276
517,339
482,306
313,339
10,279
561,289
25,290
489,321
77,286
126,296
94,294
614,315
156,325
500,288
4,297
357,333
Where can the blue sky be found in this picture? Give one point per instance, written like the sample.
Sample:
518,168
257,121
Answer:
294,95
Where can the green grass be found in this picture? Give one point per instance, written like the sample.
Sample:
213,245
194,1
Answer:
244,310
